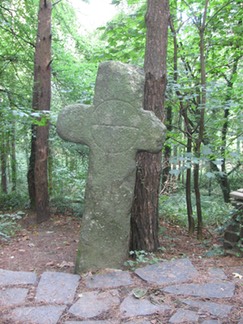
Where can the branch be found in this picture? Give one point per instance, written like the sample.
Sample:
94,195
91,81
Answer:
13,33
215,14
56,3
203,26
235,168
4,8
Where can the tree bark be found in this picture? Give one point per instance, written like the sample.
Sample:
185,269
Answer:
188,133
13,157
38,174
201,114
3,156
144,213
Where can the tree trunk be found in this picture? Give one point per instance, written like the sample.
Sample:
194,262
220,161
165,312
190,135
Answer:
144,214
191,223
13,157
31,173
38,174
4,183
201,114
167,152
188,134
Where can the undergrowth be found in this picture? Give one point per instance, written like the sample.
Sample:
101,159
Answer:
174,210
9,224
141,257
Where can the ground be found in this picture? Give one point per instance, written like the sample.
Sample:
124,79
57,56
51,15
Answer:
52,246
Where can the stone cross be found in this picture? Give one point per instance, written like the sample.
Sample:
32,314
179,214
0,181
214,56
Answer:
115,128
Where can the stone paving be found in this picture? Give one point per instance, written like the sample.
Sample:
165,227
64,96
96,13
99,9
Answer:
166,292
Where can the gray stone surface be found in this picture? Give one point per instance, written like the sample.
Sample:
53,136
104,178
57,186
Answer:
140,307
217,274
93,322
138,321
115,128
208,290
111,279
115,306
57,287
17,277
184,315
93,303
12,296
220,310
37,315
168,272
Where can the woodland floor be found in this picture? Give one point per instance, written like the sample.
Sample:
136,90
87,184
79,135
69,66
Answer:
52,246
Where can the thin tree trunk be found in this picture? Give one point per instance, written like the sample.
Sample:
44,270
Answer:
199,139
167,151
4,183
188,134
13,158
31,173
144,214
191,223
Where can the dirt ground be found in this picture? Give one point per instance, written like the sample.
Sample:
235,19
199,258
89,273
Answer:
52,245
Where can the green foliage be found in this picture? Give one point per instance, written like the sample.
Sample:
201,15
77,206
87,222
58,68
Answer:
215,211
124,37
62,205
141,257
13,201
8,224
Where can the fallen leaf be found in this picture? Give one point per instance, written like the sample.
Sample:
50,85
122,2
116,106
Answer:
65,264
237,275
25,238
139,292
50,264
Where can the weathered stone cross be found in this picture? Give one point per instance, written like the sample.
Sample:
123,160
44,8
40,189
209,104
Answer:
115,128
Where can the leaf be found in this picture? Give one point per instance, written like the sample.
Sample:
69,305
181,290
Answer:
65,264
139,292
237,275
210,175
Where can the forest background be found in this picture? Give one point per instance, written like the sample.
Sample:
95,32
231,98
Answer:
203,102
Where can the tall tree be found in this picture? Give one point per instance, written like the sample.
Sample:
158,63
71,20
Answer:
37,174
144,217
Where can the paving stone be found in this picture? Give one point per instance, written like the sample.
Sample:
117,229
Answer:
138,321
208,290
57,287
93,322
241,321
210,322
8,277
109,280
37,315
167,272
238,270
217,274
13,296
219,310
184,315
93,303
140,307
